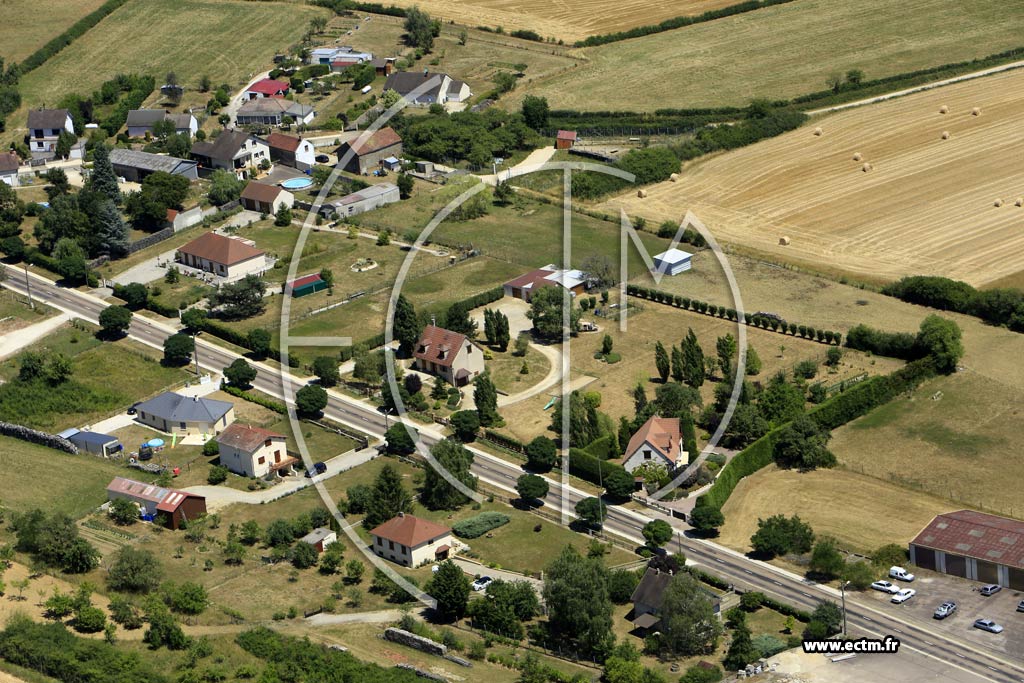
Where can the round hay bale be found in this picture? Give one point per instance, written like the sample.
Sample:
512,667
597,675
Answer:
857,156
674,177
642,194
866,167
1019,202
783,241
976,111
818,131
943,109
945,135
999,202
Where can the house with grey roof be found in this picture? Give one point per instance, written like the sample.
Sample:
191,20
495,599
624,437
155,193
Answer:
9,164
232,150
364,200
92,442
173,413
44,128
436,87
649,596
134,166
141,121
272,111
320,538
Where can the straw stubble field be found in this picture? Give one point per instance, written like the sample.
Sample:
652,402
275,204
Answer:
927,206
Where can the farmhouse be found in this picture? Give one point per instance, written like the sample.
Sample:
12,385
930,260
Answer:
268,87
320,538
565,139
225,257
273,112
232,150
254,452
306,285
92,442
134,166
44,128
973,545
367,154
550,275
672,262
411,541
265,198
9,163
153,501
364,200
448,355
176,414
141,121
291,151
658,441
649,596
426,88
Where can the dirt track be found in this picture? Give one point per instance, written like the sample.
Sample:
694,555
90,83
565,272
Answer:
926,206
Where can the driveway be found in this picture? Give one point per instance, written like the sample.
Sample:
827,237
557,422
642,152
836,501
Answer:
15,341
533,160
148,271
383,616
476,569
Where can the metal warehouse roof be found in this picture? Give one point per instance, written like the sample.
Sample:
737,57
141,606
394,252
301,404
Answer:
975,534
673,255
148,162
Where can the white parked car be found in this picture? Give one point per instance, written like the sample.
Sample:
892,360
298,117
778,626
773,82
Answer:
900,573
904,595
482,583
885,587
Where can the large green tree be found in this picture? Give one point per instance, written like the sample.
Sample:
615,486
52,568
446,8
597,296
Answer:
485,396
114,321
450,587
531,487
240,374
579,608
546,312
541,454
242,299
103,180
803,444
535,112
437,492
407,326
225,187
111,231
779,535
160,191
940,338
689,625
178,349
419,29
661,361
134,570
389,497
310,400
71,262
693,360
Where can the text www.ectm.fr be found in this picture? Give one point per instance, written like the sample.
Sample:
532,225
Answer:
884,645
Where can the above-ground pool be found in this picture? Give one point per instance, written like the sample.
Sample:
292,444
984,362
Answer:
154,443
297,183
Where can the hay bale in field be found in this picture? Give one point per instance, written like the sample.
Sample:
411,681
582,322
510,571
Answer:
998,202
818,131
1019,202
783,241
943,109
674,177
945,135
976,111
642,194
866,167
857,156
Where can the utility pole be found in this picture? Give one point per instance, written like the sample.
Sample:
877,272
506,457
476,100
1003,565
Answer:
195,351
842,591
28,288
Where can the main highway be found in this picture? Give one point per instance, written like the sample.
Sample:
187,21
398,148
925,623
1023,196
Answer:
747,574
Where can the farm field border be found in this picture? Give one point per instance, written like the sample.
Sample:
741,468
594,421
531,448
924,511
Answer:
25,29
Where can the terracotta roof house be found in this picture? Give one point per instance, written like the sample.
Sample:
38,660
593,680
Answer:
368,153
550,275
973,545
448,355
176,414
44,128
232,150
272,112
265,198
649,596
154,501
411,541
9,163
254,452
291,151
225,257
565,139
657,441
268,87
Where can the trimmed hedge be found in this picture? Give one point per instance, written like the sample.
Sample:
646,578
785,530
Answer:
585,466
995,306
479,525
604,448
37,58
268,403
506,442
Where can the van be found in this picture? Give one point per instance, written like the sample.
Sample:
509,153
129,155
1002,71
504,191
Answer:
900,573
990,589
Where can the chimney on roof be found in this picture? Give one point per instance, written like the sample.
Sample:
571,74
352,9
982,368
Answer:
401,514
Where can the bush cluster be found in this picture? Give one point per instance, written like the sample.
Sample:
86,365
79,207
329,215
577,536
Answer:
478,525
994,306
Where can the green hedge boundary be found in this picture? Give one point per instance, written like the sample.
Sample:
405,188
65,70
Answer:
39,57
268,403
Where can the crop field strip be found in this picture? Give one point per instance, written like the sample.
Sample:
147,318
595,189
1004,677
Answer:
25,28
926,206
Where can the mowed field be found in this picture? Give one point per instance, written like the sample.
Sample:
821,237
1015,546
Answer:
227,40
926,206
567,21
25,28
780,52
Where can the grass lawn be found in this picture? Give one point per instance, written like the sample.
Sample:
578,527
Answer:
185,292
25,29
192,38
16,314
506,369
779,52
35,476
98,383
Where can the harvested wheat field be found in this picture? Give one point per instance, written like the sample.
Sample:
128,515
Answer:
927,205
567,21
25,29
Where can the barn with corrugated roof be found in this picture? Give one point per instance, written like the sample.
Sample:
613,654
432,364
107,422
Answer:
973,545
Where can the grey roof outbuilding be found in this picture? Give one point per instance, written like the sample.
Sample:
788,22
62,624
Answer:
151,163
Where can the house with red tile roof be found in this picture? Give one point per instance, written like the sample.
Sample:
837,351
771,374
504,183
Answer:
225,257
658,441
449,355
369,153
411,541
973,545
291,151
268,87
254,452
265,198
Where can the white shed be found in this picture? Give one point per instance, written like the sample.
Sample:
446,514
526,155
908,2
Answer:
672,262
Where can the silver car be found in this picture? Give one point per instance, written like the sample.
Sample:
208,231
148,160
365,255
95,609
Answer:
988,625
945,609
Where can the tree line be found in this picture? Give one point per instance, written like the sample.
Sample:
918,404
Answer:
1003,306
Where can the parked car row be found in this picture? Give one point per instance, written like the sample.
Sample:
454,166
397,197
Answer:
947,608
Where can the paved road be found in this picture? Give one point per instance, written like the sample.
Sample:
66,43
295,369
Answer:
864,618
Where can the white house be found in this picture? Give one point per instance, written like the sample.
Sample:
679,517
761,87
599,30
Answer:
449,355
458,91
658,442
226,257
141,121
672,262
9,163
176,414
253,452
44,128
320,538
291,151
411,541
232,150
265,198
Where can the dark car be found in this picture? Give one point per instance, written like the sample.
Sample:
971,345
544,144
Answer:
317,468
1020,606
133,409
322,158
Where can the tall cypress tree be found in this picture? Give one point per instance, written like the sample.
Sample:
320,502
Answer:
489,331
661,361
693,361
486,398
501,330
103,179
437,493
677,364
407,326
388,498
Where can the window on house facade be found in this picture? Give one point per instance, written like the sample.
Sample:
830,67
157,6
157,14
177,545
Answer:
380,541
391,545
262,460
182,425
647,455
267,442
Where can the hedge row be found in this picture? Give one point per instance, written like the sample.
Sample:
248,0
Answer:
479,525
788,610
763,321
604,448
505,441
37,437
1003,306
856,401
587,467
268,403
140,88
37,58
678,22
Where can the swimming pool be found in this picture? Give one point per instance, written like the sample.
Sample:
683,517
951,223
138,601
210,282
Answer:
297,183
